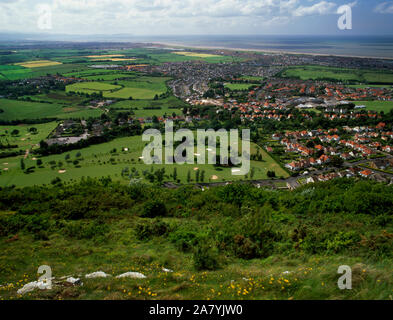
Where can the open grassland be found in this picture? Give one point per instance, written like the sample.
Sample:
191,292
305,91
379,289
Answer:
150,108
57,97
92,87
139,87
22,110
16,72
226,243
25,139
38,64
101,161
338,74
105,56
89,73
239,86
110,76
385,106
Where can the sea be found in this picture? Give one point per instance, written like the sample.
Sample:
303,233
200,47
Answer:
363,46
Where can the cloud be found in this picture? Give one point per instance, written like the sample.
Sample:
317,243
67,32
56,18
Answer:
161,16
385,7
320,8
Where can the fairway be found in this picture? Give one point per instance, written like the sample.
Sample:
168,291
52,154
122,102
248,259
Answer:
378,106
38,64
100,161
25,139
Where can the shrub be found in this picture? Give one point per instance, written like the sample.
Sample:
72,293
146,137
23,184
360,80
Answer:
205,258
184,240
155,228
154,208
84,230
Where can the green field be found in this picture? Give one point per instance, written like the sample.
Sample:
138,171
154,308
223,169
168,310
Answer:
140,88
57,97
22,110
167,106
25,139
97,163
239,86
338,74
378,106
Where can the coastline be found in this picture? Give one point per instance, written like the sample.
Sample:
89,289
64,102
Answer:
269,51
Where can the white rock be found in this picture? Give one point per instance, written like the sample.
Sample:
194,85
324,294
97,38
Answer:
74,281
134,275
31,286
167,270
98,274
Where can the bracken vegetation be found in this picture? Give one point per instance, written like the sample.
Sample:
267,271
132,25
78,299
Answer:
230,242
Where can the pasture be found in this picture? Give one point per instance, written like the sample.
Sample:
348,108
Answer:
91,87
150,108
23,110
338,74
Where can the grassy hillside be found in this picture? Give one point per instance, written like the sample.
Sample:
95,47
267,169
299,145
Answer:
233,242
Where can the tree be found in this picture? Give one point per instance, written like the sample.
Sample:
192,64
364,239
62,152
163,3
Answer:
188,176
22,164
175,174
203,176
33,130
271,174
197,174
15,132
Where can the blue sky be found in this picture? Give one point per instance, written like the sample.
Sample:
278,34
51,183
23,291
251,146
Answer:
171,17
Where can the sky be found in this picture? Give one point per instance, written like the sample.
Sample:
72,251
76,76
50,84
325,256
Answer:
194,17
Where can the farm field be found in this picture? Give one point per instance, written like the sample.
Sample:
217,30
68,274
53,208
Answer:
197,55
140,88
378,106
22,110
338,74
102,161
167,106
38,64
57,97
92,87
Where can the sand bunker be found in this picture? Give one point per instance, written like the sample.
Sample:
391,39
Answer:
214,178
62,171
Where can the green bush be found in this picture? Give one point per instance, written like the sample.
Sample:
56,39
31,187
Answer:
205,258
85,230
156,228
153,209
184,240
